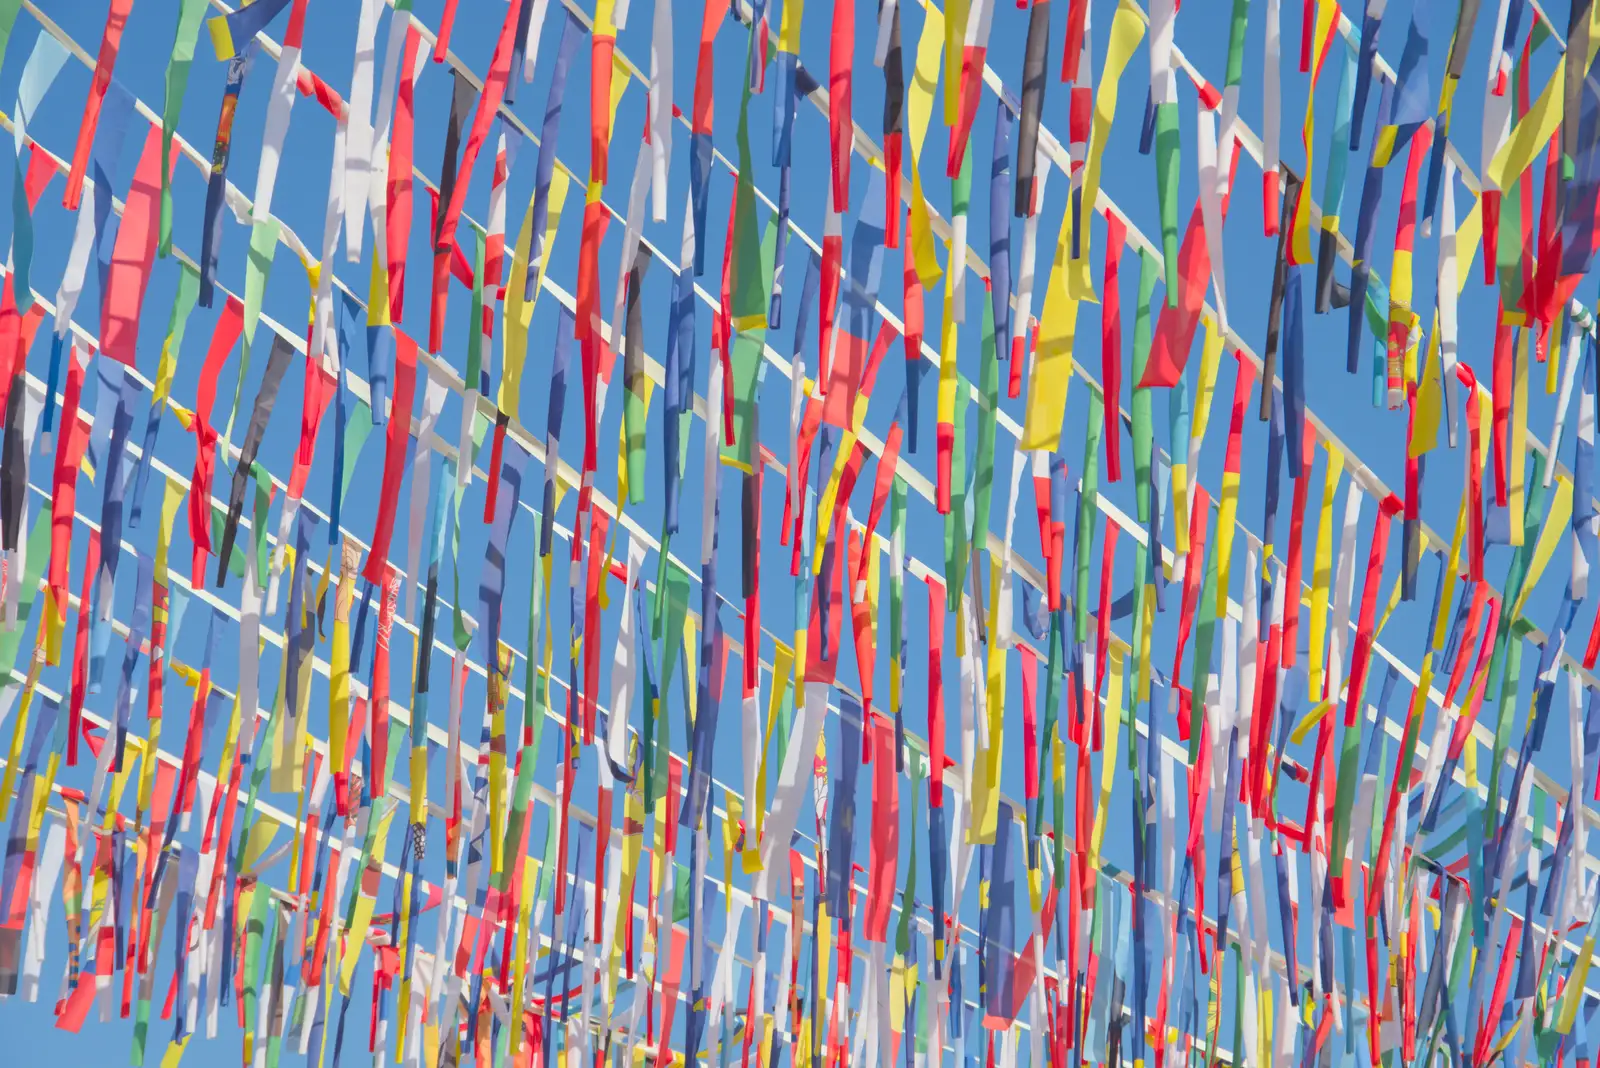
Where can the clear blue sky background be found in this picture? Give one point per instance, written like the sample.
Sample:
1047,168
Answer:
1343,401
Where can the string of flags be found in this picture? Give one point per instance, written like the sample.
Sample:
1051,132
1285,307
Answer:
1144,782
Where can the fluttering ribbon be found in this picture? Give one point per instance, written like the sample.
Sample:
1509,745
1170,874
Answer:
1255,719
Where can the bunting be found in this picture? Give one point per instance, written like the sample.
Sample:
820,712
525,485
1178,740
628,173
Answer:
1259,798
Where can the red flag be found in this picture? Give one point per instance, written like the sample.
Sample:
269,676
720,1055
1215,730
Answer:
16,337
828,302
133,254
226,334
1361,652
1030,723
318,391
110,42
1111,343
1102,641
447,25
885,835
841,129
1293,566
1169,351
394,458
936,625
1504,360
599,523
864,633
881,485
388,597
600,53
398,204
494,89
822,650
1072,50
80,649
1199,517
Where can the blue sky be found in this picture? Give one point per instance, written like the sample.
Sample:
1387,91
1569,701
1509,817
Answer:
1343,402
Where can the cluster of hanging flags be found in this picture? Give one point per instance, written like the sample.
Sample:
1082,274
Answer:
1323,866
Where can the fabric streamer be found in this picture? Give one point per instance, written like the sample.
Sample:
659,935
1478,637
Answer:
1260,798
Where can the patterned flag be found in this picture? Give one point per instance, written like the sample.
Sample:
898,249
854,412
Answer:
1034,59
494,87
394,461
105,63
702,118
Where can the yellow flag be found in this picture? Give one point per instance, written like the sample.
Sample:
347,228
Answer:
1146,625
1052,362
1517,461
919,107
356,934
1327,17
378,295
1452,568
789,27
830,497
171,499
1127,30
986,773
1210,364
519,312
1315,716
1554,529
1112,722
955,34
1227,523
19,727
1430,397
949,335
519,952
783,660
174,1054
1533,132
632,840
1469,232
258,841
1322,574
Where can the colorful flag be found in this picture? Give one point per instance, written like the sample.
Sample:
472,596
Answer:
394,459
1035,56
278,924
105,63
